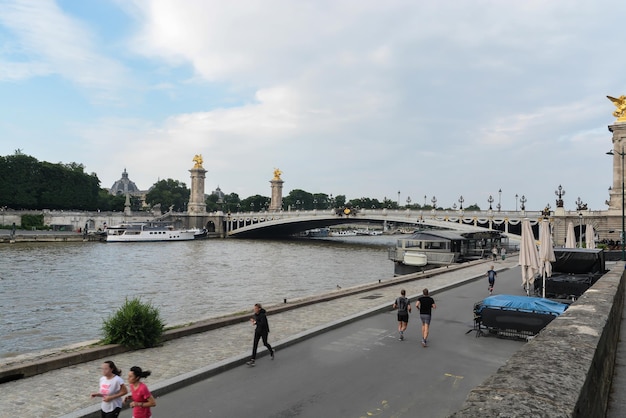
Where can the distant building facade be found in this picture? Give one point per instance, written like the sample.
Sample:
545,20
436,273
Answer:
125,186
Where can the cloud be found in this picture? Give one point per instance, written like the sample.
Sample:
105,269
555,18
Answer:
362,98
51,42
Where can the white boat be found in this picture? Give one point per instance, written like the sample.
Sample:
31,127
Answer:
149,231
343,233
442,247
415,259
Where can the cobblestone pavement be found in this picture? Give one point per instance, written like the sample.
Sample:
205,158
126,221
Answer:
66,390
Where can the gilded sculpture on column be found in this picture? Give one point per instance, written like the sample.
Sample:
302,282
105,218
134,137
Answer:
620,104
277,174
197,159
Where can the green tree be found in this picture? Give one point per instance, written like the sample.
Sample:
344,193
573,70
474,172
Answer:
232,203
212,204
298,199
169,193
19,181
256,203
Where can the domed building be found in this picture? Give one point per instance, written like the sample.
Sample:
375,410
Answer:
124,186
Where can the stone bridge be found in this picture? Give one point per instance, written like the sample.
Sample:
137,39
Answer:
284,223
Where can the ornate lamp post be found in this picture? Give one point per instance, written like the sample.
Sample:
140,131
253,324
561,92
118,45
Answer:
425,197
522,201
622,238
434,201
490,200
516,197
559,193
454,206
461,200
408,202
398,199
499,199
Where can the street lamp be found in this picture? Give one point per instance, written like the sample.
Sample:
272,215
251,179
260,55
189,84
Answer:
398,199
490,200
516,197
425,197
559,194
621,154
408,202
522,202
499,199
434,200
580,230
461,200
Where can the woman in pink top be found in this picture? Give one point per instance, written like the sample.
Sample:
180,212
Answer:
141,400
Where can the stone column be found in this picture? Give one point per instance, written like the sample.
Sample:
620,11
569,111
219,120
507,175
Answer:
619,146
276,203
127,210
197,205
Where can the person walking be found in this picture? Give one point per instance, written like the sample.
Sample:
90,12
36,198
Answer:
425,304
403,305
112,389
491,277
503,253
494,253
141,400
260,332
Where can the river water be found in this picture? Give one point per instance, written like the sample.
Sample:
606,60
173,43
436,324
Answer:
57,294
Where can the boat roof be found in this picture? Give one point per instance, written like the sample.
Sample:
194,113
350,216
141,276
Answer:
449,235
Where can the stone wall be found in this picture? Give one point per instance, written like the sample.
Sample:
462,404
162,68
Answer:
566,370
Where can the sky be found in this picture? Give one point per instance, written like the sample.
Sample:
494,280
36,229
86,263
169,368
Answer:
397,99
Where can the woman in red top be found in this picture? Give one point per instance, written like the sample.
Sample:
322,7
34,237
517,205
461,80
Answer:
141,400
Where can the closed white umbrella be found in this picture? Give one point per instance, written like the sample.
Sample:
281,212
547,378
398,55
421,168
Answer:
590,237
528,256
546,252
570,238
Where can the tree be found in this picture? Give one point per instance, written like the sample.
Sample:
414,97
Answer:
255,203
169,193
232,203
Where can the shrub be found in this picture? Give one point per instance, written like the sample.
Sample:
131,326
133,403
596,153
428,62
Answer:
32,221
134,325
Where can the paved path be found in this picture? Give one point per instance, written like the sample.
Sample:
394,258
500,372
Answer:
66,391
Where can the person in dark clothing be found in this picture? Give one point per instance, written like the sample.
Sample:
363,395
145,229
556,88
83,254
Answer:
262,329
403,305
425,304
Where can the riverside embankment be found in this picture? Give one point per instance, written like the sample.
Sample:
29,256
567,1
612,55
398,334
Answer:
184,360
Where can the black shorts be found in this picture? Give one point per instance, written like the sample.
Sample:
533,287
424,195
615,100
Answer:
403,317
113,414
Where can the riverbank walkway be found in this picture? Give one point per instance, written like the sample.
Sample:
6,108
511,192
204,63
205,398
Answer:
178,362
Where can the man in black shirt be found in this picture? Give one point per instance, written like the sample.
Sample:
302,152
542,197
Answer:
425,304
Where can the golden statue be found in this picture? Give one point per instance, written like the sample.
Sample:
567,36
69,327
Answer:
620,103
198,160
277,174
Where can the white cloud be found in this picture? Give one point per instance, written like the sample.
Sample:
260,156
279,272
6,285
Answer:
356,97
55,43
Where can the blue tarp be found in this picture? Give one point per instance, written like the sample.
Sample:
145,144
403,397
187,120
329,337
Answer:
524,304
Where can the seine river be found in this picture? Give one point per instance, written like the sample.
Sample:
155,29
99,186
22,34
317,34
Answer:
57,294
